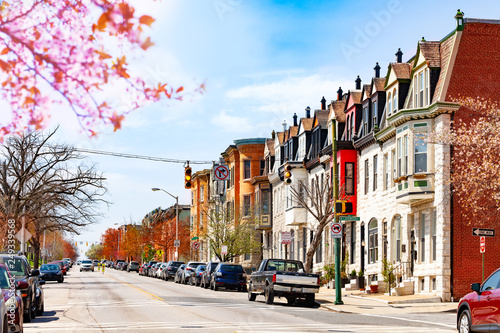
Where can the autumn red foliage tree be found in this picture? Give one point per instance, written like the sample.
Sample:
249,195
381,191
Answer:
110,242
62,52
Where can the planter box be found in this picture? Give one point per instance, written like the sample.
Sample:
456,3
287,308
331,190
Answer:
374,288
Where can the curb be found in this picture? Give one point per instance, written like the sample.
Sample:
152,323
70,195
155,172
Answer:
406,301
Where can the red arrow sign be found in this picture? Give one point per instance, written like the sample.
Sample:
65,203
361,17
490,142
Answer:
482,244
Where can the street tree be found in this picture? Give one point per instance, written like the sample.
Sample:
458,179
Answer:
317,198
55,52
47,187
110,240
95,252
474,174
235,230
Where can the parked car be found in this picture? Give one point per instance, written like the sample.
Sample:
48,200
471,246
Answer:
86,265
207,274
143,269
51,272
122,266
61,263
479,311
115,264
229,276
178,274
68,261
133,266
152,269
283,278
170,269
195,278
190,267
78,262
160,267
27,282
148,267
12,301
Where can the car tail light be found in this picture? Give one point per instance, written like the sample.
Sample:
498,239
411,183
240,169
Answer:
189,269
274,278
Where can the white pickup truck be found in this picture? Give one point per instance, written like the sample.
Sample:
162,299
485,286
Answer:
283,278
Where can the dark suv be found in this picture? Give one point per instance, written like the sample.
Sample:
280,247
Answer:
169,271
27,282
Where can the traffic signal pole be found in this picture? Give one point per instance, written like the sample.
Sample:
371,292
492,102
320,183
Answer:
335,180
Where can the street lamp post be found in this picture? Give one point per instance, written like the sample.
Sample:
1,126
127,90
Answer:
176,217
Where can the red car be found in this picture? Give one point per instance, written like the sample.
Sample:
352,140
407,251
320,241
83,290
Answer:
61,263
479,311
13,299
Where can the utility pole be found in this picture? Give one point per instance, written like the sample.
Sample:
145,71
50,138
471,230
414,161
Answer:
338,289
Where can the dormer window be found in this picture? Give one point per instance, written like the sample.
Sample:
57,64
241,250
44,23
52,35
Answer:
421,89
389,99
395,100
367,119
374,110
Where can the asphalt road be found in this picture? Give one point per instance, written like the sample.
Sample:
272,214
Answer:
126,302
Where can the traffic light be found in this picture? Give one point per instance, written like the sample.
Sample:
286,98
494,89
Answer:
343,207
288,174
187,177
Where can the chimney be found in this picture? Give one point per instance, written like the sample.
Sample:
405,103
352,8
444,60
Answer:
273,135
399,56
308,112
294,119
358,83
284,126
377,70
323,103
339,94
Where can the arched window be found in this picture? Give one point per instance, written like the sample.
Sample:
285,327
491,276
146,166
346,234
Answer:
372,241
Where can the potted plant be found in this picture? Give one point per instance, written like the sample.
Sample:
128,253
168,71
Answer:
329,273
361,280
374,288
353,274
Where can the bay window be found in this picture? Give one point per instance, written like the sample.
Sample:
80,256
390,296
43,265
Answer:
420,156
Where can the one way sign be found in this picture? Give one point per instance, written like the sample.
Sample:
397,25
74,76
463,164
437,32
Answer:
483,232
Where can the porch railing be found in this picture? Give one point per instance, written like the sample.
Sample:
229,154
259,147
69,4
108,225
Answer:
400,272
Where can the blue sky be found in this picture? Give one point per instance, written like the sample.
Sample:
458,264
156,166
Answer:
262,61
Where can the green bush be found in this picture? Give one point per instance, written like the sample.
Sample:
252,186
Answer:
329,272
387,268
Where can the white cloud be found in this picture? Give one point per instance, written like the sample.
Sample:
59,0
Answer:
231,123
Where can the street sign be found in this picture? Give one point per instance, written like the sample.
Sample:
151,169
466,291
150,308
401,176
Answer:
27,235
482,244
221,172
195,238
196,245
223,249
483,232
349,218
337,230
286,237
177,243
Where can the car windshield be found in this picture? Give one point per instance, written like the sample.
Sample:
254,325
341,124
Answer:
16,266
213,265
4,278
47,267
86,261
278,265
232,268
200,268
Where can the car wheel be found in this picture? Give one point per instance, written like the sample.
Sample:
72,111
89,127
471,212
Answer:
211,286
269,294
464,322
216,287
5,328
80,269
290,300
39,312
27,316
33,311
310,300
61,280
251,295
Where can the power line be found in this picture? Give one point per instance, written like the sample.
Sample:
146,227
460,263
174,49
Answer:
141,157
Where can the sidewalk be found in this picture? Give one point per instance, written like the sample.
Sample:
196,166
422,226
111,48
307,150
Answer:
380,303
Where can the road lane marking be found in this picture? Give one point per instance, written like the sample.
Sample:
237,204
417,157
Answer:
412,320
153,296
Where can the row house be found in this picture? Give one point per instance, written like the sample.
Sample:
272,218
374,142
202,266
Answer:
404,202
245,160
397,181
200,194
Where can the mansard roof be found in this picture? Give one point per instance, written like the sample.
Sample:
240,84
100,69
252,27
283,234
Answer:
377,84
430,51
320,118
367,91
338,108
306,123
